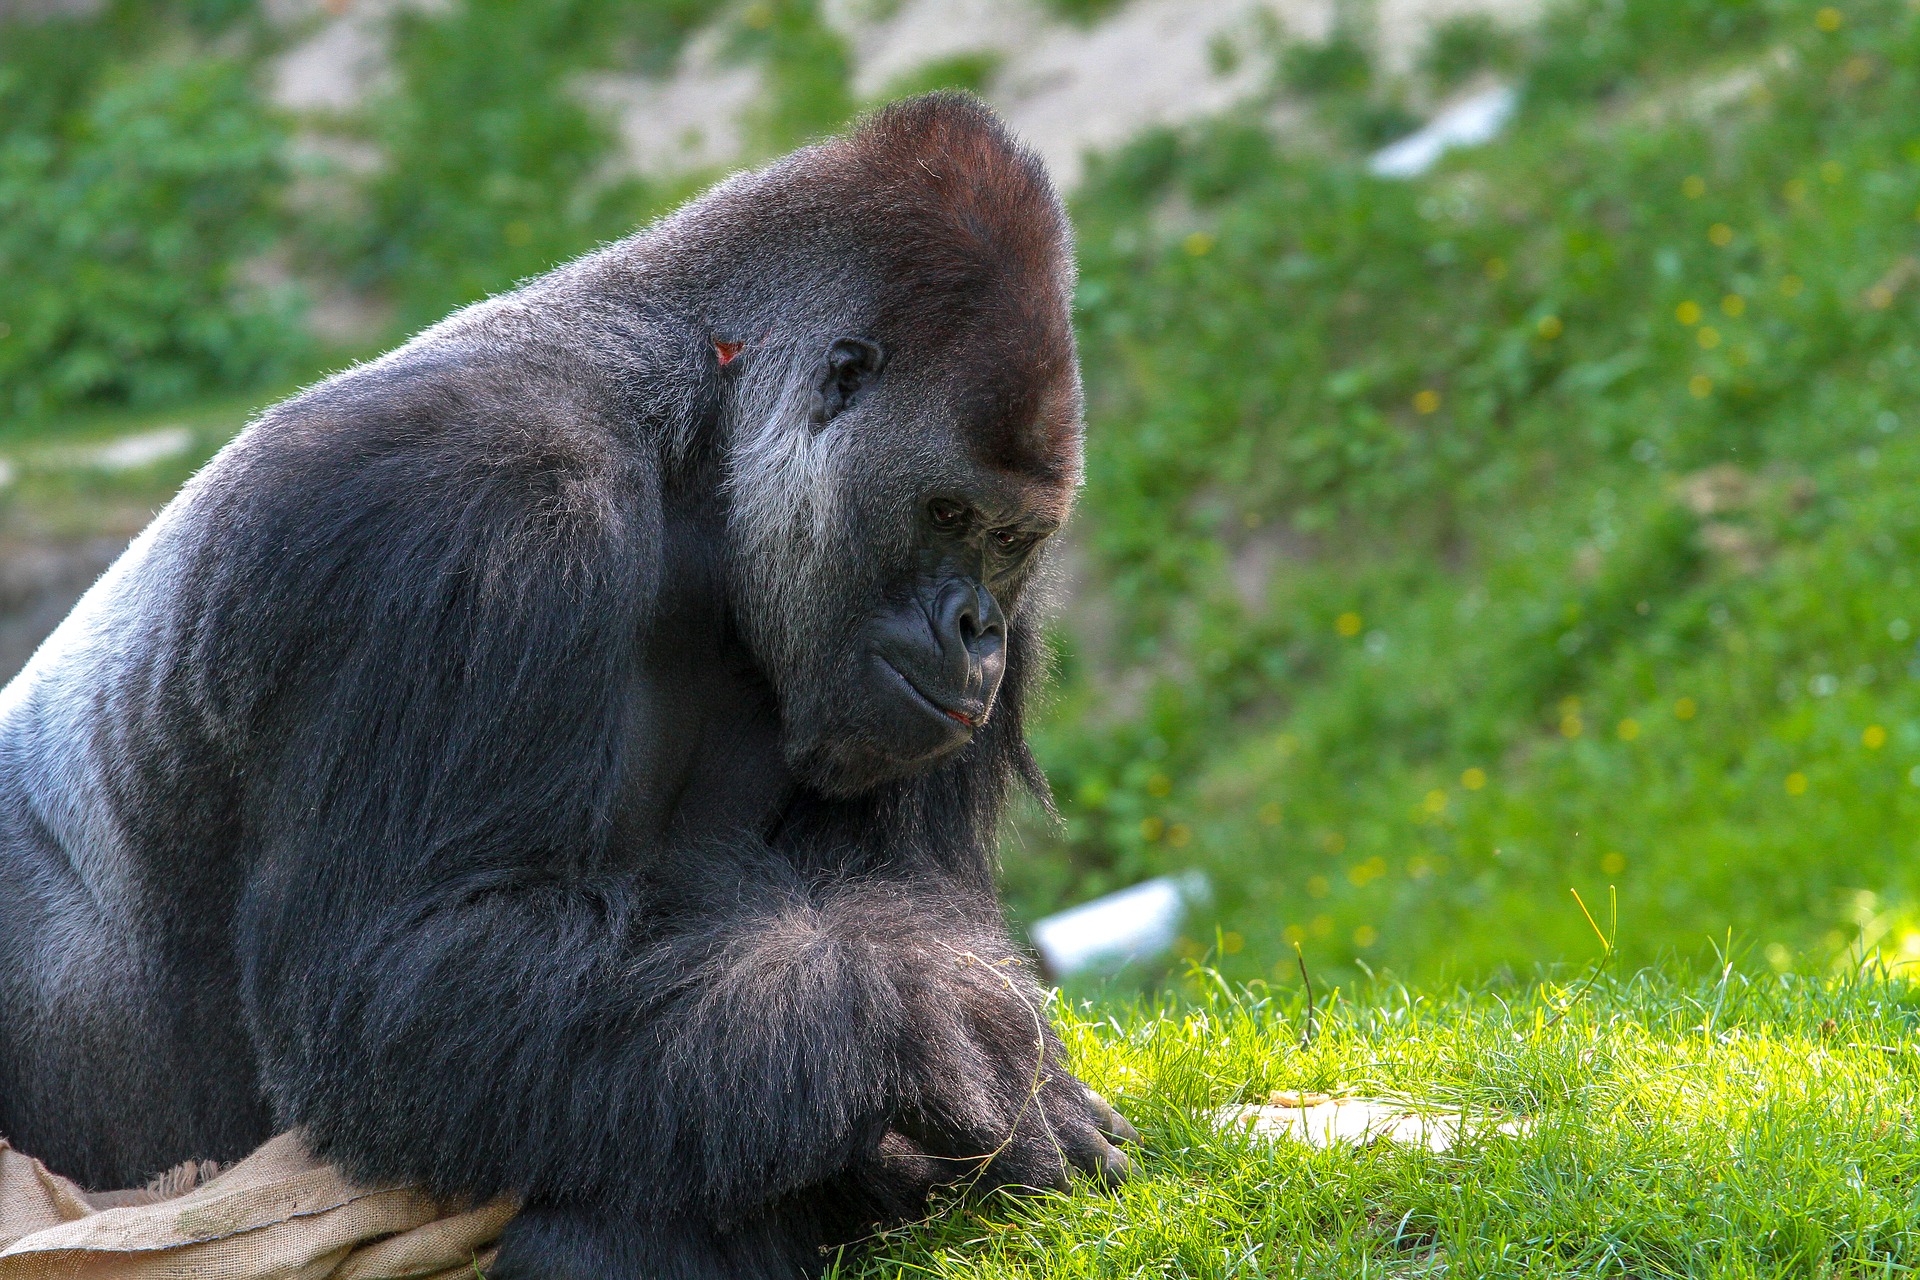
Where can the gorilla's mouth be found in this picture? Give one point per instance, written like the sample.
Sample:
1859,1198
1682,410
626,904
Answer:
967,722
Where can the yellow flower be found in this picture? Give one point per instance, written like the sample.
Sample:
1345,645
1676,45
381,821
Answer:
1700,386
1198,245
1795,190
1796,783
1828,19
1436,802
1426,401
1571,727
1694,187
1294,936
1348,624
1708,337
1879,297
1720,234
1365,936
1231,943
1685,709
1550,327
1473,779
1178,834
1873,737
1152,828
1614,863
1831,173
1687,312
1628,729
1321,926
1734,305
1159,785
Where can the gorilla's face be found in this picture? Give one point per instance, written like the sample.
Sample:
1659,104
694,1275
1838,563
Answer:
935,648
880,602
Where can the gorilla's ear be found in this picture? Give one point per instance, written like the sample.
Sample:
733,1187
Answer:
849,365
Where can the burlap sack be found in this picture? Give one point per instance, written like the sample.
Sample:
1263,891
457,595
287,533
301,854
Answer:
279,1214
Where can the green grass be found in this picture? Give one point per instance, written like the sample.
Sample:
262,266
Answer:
1719,1126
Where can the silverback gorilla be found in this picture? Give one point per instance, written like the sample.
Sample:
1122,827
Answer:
562,757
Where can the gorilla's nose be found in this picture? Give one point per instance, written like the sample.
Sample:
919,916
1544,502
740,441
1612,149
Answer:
971,633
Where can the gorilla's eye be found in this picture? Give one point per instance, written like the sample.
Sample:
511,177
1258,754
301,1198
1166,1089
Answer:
1010,540
946,514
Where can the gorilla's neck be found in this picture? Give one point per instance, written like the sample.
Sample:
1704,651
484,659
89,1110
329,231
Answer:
707,723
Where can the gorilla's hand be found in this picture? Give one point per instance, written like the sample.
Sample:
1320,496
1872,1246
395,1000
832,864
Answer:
991,1099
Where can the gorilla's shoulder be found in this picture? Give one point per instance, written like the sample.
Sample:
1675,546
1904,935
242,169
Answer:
445,424
454,479
508,414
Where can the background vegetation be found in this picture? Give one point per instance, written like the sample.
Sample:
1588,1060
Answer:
1543,523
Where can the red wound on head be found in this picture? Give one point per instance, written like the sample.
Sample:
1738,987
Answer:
726,351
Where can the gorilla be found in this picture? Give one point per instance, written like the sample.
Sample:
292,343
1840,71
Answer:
561,758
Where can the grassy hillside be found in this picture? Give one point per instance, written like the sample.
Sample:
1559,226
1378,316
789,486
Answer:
1547,523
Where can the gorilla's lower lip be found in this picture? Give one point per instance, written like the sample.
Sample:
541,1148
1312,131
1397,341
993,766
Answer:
950,713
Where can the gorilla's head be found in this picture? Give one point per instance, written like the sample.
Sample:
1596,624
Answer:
905,430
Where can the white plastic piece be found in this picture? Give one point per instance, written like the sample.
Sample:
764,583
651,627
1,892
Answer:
1467,123
1108,933
1320,1121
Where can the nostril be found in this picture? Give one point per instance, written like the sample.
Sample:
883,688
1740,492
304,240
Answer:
965,617
987,617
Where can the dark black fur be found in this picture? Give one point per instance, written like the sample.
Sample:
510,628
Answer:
483,766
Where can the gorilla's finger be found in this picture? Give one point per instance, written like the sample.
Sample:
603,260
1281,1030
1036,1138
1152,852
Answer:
901,1167
1100,1160
1105,1163
989,1152
1110,1122
1090,1151
1031,1166
1115,1168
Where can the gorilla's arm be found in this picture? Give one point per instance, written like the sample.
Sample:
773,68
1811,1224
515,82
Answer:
453,975
436,642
